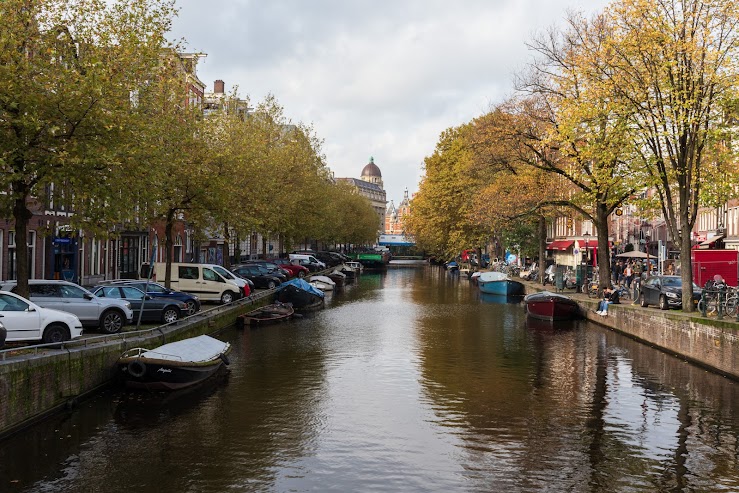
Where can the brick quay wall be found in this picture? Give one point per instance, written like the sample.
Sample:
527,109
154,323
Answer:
711,343
35,382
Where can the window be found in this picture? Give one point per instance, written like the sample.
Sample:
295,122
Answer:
209,275
188,272
132,293
109,293
12,304
44,290
71,292
177,250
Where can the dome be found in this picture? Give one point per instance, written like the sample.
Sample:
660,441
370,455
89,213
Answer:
371,169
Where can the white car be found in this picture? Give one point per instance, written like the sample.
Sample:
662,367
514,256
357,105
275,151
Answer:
27,321
108,315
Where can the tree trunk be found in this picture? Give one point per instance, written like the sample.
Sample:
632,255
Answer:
542,247
168,227
226,246
604,251
686,268
22,216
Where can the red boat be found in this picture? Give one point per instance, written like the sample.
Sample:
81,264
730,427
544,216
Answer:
546,305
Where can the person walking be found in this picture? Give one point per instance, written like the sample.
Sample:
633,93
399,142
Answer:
628,273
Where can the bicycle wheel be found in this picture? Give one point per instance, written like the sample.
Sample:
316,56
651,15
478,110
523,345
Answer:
625,294
730,305
711,305
593,290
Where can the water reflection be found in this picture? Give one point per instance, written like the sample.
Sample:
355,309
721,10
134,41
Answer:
408,381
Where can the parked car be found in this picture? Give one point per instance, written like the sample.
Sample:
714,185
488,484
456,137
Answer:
272,269
24,320
108,315
666,292
156,290
258,275
242,283
201,280
161,310
309,261
294,269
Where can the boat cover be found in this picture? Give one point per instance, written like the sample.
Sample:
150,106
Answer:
492,276
198,349
323,279
302,284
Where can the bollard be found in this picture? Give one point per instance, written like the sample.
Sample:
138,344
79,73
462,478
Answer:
720,307
703,303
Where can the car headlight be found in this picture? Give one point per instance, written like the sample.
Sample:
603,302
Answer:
128,305
671,295
195,297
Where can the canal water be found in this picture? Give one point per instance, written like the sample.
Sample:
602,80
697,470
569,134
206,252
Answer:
408,381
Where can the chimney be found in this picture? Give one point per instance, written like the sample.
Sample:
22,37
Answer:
219,87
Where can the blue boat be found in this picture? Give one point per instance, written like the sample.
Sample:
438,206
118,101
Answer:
499,283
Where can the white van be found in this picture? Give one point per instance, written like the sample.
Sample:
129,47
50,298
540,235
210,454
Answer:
241,283
199,279
309,261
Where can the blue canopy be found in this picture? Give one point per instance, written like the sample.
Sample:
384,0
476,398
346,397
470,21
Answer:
300,283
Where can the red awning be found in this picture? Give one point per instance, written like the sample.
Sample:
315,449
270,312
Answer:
560,245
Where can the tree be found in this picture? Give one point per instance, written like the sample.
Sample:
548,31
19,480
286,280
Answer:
674,62
574,126
67,70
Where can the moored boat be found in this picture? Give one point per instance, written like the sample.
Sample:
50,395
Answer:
173,366
301,295
324,283
338,277
499,283
276,312
546,305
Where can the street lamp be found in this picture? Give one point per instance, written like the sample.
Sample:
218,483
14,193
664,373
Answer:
586,235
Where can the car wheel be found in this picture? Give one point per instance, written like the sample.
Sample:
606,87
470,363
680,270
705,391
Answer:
192,307
55,333
170,315
227,297
271,285
301,274
663,305
111,322
643,300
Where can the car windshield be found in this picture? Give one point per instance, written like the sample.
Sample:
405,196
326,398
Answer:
672,282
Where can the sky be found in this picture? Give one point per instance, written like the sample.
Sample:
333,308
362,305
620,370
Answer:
379,78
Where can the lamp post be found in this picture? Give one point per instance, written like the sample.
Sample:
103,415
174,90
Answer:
586,235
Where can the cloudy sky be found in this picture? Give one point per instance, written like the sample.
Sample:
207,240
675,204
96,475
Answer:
379,78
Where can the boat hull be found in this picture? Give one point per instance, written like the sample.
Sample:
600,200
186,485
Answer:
165,375
504,287
300,299
270,314
551,306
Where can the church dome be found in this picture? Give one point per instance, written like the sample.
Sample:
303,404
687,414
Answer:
371,169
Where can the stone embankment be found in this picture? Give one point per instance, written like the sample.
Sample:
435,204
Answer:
706,341
40,380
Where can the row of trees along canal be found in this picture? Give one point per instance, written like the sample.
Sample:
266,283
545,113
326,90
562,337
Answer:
636,105
93,101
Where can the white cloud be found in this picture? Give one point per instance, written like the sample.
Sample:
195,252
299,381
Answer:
378,78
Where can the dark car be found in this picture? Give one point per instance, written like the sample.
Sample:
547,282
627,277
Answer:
258,275
156,290
272,269
665,292
154,309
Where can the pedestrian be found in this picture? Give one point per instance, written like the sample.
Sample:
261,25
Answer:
670,270
628,272
619,272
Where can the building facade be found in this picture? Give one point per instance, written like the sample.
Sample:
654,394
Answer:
370,185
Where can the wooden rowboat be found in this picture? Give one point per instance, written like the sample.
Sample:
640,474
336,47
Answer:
268,314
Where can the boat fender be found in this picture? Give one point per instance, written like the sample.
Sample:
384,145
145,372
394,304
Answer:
136,369
225,360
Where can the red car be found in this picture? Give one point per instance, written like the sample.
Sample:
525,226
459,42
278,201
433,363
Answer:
294,270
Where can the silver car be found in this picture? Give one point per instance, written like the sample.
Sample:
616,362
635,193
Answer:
109,315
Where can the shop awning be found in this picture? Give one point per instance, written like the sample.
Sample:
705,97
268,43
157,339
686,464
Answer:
709,243
560,245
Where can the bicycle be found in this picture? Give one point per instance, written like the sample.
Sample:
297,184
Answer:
624,293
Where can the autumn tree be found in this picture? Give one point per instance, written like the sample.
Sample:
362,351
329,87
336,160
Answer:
673,63
67,69
573,127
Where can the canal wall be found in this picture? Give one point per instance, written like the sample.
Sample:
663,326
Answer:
705,341
40,380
